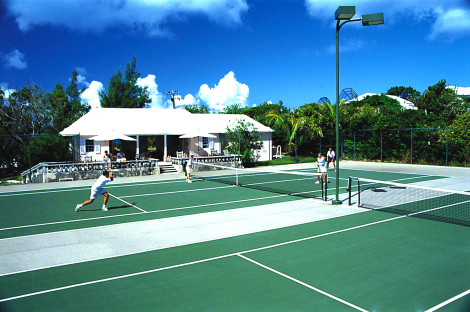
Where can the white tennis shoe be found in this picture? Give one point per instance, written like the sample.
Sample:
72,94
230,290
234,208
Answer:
77,208
104,208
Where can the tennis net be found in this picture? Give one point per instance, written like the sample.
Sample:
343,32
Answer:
296,183
414,201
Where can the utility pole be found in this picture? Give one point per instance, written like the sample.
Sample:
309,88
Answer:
172,93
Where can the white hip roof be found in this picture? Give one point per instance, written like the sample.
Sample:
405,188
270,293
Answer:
154,121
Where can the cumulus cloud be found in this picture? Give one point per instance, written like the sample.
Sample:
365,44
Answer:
81,76
98,15
6,89
229,91
181,102
91,94
454,22
448,18
152,88
15,59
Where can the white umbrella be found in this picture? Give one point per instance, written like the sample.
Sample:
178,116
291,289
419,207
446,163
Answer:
112,135
197,133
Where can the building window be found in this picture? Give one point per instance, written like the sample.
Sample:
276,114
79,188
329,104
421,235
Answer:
205,142
89,146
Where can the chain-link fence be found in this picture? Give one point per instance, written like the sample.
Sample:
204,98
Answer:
21,152
434,146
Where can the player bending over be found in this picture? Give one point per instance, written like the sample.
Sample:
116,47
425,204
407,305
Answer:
97,189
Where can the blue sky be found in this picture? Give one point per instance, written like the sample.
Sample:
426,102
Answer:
218,52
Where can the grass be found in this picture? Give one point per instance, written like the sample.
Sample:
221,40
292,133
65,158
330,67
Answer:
286,160
8,180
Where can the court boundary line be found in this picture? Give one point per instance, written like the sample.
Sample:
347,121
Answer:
137,213
173,246
302,283
79,188
444,303
222,257
201,260
133,214
130,184
152,211
127,203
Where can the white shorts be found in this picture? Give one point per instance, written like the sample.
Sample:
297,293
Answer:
188,170
95,193
322,169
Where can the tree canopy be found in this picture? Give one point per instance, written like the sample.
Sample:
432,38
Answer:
123,90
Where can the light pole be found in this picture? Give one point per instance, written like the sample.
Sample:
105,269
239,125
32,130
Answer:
344,15
172,93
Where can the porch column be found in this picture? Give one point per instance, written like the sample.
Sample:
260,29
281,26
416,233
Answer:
137,149
165,149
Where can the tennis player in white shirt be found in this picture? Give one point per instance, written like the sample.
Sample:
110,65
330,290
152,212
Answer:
189,168
98,189
321,164
330,156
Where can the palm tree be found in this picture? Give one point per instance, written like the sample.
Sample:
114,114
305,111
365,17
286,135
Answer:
292,123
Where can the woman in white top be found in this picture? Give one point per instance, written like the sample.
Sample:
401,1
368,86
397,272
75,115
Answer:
321,164
189,168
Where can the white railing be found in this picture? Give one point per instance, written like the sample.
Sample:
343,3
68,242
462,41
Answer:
38,172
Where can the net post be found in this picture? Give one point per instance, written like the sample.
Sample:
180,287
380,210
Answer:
358,193
322,188
236,176
326,187
349,191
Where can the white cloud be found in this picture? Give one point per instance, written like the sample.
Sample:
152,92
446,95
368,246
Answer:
98,15
189,99
454,23
448,18
152,88
81,76
6,90
229,91
91,94
15,59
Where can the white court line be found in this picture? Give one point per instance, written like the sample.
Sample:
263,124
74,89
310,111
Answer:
132,214
181,191
195,262
448,301
79,188
302,283
128,203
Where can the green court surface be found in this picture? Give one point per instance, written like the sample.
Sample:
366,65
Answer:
364,261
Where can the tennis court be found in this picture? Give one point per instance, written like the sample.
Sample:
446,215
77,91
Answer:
166,245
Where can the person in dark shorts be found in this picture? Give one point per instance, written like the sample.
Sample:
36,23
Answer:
330,157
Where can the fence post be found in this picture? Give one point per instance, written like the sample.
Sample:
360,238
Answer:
239,144
411,155
29,158
342,145
381,146
354,144
295,135
447,145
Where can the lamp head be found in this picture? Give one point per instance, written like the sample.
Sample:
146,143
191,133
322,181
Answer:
345,12
372,19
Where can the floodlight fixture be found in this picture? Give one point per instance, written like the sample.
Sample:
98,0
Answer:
345,12
372,19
